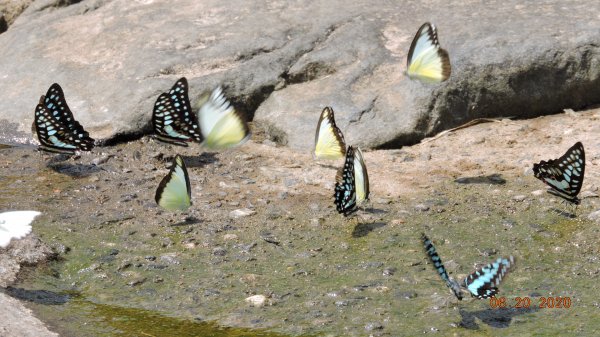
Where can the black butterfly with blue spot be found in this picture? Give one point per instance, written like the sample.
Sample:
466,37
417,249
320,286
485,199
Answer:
565,174
173,120
483,283
56,128
345,186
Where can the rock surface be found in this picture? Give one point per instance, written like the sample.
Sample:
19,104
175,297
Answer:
27,251
282,62
18,320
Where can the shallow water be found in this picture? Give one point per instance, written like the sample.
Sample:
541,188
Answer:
324,274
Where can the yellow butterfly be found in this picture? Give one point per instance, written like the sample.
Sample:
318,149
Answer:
329,140
220,124
174,192
428,62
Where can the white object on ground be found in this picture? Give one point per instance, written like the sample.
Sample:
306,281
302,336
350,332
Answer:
15,225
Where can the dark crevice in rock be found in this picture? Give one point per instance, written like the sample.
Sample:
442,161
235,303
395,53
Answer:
253,53
361,113
123,138
3,23
547,85
274,133
247,104
59,4
312,70
402,140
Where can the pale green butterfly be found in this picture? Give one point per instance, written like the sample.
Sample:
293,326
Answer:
220,124
173,192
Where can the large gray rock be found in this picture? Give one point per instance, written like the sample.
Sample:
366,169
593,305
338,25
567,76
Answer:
287,60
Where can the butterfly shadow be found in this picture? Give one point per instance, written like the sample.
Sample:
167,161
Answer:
496,318
329,166
45,297
59,165
492,179
190,220
374,210
363,229
564,213
201,160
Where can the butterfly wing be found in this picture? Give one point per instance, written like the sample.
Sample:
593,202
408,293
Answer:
428,62
52,135
174,191
329,140
55,101
484,282
221,125
15,225
361,178
345,188
439,266
55,126
565,174
173,119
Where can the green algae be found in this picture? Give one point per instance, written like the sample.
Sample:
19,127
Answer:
79,317
129,266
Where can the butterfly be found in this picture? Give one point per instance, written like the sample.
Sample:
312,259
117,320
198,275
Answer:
352,183
15,225
427,62
482,283
361,178
220,124
439,266
56,128
173,120
174,192
565,174
329,140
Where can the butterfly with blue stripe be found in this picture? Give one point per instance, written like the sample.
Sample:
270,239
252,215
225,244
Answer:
352,183
439,266
345,188
565,174
483,283
56,128
173,119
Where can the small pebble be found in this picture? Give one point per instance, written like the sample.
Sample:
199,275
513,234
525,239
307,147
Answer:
242,212
519,198
421,208
219,251
256,301
373,326
136,282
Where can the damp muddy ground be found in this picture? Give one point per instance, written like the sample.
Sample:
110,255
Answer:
263,222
